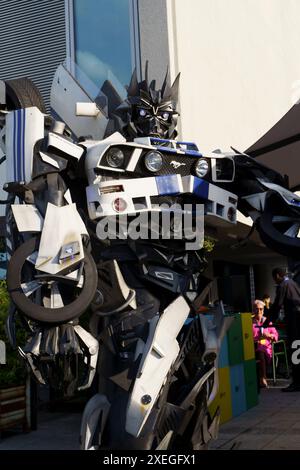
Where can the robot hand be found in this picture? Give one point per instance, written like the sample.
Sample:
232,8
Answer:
63,356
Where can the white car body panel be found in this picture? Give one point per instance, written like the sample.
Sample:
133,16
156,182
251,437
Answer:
160,353
27,217
63,144
49,160
24,127
62,225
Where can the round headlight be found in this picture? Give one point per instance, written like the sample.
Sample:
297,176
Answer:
202,167
115,157
153,161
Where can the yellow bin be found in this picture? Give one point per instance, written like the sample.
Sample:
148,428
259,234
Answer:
248,342
225,395
212,408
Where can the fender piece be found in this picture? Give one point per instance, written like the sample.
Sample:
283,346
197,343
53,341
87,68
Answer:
27,217
93,421
159,354
62,226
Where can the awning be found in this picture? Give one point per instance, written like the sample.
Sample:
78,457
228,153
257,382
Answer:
279,148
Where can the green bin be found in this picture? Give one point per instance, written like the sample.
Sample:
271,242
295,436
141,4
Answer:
235,341
251,383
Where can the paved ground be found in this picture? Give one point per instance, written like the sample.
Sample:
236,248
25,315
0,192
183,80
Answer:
56,431
273,424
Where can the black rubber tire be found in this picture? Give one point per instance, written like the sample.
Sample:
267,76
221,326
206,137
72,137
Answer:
22,93
38,312
273,238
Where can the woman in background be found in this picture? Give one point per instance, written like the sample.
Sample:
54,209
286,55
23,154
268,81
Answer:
264,335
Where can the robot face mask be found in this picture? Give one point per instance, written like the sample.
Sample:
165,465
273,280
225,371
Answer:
148,112
154,121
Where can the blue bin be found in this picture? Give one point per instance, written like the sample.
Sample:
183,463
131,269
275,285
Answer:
238,394
223,358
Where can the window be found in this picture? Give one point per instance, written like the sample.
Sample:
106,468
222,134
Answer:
103,39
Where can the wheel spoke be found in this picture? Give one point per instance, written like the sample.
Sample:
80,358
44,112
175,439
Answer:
46,302
75,277
55,297
30,287
293,230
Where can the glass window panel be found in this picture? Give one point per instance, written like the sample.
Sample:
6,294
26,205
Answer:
103,39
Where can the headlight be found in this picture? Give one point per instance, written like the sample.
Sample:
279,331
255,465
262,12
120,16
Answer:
202,167
153,161
115,157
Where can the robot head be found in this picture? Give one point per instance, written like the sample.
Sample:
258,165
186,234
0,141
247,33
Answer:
148,112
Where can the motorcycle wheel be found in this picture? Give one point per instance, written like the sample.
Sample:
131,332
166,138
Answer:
279,226
49,300
22,93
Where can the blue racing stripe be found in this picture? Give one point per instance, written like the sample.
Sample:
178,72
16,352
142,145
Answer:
180,152
23,143
19,133
200,188
14,147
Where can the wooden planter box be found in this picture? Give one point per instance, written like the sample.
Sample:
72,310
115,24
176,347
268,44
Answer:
13,408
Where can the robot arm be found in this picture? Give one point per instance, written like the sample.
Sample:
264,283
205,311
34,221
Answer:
52,277
275,210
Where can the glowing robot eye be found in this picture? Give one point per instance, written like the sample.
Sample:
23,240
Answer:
142,112
165,116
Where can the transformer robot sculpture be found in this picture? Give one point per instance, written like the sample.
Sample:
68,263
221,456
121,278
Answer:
148,353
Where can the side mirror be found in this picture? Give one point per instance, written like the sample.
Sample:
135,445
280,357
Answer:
87,109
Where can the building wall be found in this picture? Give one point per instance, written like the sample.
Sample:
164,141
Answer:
238,63
33,40
154,42
33,43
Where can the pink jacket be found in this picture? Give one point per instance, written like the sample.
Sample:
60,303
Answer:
262,343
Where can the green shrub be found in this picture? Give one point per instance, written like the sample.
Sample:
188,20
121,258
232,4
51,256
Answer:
14,371
209,244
